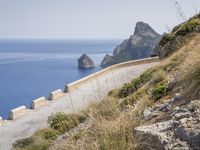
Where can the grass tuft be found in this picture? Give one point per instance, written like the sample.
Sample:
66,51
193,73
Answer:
63,122
159,91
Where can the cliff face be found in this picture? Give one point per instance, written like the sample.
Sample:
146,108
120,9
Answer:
139,45
85,62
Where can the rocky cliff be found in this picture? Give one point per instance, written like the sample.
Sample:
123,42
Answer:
85,62
177,38
139,45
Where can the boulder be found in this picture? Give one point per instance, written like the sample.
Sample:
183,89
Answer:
85,62
171,84
155,134
165,107
177,98
149,113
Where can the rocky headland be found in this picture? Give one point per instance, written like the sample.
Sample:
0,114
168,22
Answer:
139,45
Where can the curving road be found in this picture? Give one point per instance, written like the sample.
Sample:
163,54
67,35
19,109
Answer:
93,90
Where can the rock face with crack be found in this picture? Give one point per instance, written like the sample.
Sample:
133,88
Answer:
182,131
139,45
85,62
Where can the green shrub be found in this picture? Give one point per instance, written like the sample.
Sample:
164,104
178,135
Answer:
63,122
176,28
159,91
23,143
166,38
50,134
138,82
130,100
187,27
126,90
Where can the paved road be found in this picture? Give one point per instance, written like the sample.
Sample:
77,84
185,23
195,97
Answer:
91,91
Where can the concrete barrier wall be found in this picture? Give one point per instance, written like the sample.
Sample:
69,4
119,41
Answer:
17,112
1,121
20,111
38,103
56,94
77,83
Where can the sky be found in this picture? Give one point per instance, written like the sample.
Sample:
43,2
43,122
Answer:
87,19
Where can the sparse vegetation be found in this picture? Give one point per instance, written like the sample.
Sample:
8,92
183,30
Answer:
190,73
41,140
63,122
50,134
166,38
187,27
138,82
159,91
23,143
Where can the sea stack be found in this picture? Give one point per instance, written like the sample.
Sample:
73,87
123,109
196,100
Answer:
85,62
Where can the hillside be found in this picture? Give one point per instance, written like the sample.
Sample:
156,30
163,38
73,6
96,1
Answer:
139,45
160,109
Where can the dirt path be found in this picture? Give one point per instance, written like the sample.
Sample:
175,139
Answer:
93,90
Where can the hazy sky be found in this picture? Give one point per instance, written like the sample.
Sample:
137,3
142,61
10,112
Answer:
86,19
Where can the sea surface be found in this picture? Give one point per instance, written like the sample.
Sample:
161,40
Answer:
30,69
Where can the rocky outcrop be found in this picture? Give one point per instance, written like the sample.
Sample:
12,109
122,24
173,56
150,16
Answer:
139,45
182,131
177,38
106,60
85,62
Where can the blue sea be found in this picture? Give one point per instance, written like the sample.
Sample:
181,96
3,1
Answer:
30,69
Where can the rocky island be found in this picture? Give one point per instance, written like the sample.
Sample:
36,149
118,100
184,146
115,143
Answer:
85,62
139,45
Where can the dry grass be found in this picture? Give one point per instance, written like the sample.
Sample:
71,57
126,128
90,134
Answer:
112,127
190,73
184,65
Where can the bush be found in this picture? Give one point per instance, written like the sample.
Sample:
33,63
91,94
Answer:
138,82
63,122
140,93
23,143
166,38
50,134
126,90
176,28
159,91
187,27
